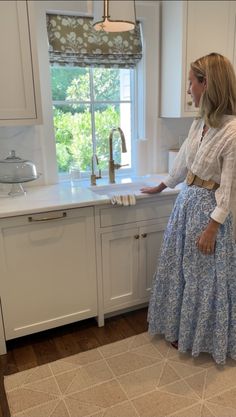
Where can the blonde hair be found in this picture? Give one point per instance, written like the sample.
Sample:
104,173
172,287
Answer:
219,97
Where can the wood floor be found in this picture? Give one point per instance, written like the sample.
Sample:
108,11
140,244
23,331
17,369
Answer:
48,346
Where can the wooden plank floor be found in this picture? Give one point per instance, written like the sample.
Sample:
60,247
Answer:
44,347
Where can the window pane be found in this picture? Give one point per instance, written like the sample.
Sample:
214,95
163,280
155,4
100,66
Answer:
125,124
111,84
69,83
72,117
73,137
106,118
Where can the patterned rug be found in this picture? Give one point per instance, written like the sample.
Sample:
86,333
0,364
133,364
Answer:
136,377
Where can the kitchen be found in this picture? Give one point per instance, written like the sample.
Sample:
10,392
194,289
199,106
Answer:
166,118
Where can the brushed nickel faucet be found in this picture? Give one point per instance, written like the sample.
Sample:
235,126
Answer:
93,176
112,164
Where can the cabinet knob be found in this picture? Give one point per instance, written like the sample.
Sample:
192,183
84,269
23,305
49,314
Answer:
189,103
136,236
144,235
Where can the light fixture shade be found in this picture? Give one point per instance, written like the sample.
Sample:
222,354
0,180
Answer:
114,15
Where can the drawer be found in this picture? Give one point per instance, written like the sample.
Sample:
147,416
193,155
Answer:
46,217
112,216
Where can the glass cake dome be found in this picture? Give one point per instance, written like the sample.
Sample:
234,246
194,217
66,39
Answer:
15,170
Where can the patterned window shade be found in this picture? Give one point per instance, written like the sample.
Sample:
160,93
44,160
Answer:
73,41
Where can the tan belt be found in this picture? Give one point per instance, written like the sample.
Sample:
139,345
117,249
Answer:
193,179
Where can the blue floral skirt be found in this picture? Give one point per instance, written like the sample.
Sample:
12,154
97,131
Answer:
193,298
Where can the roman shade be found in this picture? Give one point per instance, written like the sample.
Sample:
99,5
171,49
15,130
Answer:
74,42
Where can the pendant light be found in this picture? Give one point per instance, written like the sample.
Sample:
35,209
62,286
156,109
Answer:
114,15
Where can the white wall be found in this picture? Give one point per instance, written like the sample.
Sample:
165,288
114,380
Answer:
170,134
37,142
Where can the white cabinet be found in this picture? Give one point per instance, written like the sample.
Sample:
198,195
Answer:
19,79
191,29
128,245
48,270
120,268
150,238
129,260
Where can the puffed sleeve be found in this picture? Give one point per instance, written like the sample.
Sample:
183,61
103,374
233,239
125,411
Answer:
179,170
226,194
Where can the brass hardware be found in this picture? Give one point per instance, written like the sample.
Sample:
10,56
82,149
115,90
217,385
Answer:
189,103
93,176
45,219
136,236
144,235
112,164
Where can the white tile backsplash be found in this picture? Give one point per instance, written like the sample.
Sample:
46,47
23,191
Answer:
26,141
170,134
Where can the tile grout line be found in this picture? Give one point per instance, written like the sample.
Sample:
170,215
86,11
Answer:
54,377
219,393
204,386
175,414
31,408
182,378
130,402
120,385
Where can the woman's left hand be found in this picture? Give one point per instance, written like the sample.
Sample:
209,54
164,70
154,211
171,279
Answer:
206,242
207,239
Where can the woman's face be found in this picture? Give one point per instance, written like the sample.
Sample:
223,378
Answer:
195,88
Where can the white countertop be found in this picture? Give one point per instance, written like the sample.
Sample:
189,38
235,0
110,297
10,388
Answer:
68,194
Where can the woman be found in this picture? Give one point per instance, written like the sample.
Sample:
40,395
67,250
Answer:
193,299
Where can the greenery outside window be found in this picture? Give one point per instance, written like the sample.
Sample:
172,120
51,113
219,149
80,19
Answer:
87,103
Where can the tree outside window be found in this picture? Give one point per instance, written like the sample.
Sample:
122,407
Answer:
87,104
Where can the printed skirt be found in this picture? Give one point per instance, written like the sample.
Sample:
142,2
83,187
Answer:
193,297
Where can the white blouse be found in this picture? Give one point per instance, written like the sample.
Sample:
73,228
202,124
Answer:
212,159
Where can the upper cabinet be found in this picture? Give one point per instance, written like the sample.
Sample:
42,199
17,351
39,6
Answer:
20,102
191,29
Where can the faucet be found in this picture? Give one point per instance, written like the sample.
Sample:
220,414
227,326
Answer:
112,164
93,176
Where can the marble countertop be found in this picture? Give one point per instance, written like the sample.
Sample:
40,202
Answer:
69,194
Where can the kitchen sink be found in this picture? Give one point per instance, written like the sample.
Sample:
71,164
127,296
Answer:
119,189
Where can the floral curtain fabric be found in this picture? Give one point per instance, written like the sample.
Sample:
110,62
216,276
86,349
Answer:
73,41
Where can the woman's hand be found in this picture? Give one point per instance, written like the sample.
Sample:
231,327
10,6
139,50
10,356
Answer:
153,190
206,241
149,190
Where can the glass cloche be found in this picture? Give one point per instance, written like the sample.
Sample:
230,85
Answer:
15,170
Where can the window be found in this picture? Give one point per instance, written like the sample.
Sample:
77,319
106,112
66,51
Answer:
87,103
92,76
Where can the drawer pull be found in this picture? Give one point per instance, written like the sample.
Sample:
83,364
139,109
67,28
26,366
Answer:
144,235
136,236
189,103
45,219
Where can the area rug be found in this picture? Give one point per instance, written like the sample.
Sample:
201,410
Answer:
137,377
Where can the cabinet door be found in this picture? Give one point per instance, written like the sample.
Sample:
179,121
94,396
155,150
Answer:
150,244
191,29
49,274
17,99
208,30
120,268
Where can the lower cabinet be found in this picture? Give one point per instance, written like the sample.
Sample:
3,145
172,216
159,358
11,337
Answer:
150,238
129,260
128,246
51,274
48,270
120,268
